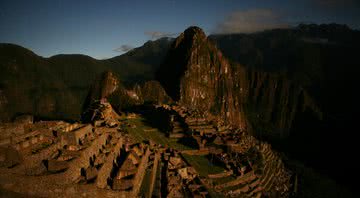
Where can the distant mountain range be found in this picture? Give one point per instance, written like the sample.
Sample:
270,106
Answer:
56,87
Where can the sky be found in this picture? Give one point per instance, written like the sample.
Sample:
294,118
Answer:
107,28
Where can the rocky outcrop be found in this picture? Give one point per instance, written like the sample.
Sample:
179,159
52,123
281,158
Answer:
108,87
153,92
198,76
103,87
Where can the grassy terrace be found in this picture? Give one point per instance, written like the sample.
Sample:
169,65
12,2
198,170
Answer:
145,132
202,165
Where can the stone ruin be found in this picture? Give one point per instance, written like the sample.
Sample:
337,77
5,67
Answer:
252,177
106,157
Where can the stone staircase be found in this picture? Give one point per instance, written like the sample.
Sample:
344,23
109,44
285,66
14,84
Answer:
177,128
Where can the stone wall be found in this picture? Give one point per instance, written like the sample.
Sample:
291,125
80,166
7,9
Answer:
26,140
67,127
140,173
36,159
10,129
73,137
240,180
74,171
153,173
220,175
107,167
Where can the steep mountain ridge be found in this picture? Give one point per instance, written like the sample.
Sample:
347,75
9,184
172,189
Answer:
323,60
196,74
139,64
273,101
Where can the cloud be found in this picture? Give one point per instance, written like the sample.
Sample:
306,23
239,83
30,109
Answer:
124,48
157,34
249,21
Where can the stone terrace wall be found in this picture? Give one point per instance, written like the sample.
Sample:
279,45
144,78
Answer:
107,167
140,173
74,171
153,173
73,137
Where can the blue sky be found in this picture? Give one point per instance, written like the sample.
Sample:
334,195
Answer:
98,27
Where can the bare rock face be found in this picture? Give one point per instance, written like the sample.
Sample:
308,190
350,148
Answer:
153,92
196,74
108,88
273,102
106,84
102,88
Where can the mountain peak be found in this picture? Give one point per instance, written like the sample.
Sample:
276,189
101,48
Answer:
197,76
194,32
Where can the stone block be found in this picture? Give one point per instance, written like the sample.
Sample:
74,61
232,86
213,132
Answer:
55,166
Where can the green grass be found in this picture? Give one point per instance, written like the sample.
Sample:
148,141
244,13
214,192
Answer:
143,132
202,165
